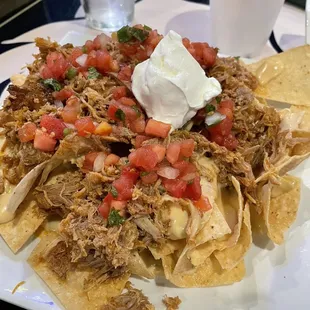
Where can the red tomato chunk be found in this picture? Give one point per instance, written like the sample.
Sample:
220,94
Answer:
85,126
53,126
157,129
27,132
44,142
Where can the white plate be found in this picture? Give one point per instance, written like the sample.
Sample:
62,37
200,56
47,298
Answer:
277,277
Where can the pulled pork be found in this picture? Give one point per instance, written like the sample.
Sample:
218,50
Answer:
132,299
171,303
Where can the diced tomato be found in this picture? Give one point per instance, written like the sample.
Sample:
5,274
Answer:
91,60
140,139
118,204
217,138
89,160
203,204
127,101
63,94
112,110
138,125
57,66
89,45
187,170
157,129
111,159
27,132
173,152
193,189
160,151
44,142
85,126
124,185
227,104
187,147
209,56
230,142
175,188
103,129
119,92
104,60
131,173
125,73
71,111
144,158
76,53
104,208
100,41
149,177
53,126
226,111
223,128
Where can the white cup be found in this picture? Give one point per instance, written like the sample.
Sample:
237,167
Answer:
242,27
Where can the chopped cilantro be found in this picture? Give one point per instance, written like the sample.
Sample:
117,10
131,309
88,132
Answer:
147,28
126,33
53,84
93,73
71,73
144,173
210,108
218,99
190,182
67,131
161,189
84,49
237,57
120,114
114,218
114,191
136,109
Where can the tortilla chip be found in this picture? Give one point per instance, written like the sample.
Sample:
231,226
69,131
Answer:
231,205
167,247
280,206
70,292
206,275
284,77
27,220
231,256
142,264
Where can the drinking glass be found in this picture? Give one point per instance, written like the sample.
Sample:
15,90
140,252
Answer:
108,15
242,27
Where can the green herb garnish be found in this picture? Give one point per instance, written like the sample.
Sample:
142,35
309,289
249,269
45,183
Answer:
147,28
71,73
53,84
190,182
143,173
93,73
67,131
218,99
114,218
136,109
114,191
237,57
210,108
126,33
120,114
84,49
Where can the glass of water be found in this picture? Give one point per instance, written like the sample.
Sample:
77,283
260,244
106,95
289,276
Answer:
108,15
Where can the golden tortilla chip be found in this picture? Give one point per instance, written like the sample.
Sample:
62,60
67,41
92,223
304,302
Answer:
142,264
160,250
231,205
71,291
284,77
280,206
231,256
27,220
206,275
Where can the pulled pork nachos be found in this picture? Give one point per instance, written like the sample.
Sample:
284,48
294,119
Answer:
154,157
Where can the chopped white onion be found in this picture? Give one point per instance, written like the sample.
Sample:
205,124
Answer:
214,119
168,172
68,125
58,104
189,177
82,60
99,162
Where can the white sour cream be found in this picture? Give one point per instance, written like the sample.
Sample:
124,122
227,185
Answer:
171,86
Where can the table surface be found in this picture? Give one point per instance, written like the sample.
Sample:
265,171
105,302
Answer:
163,15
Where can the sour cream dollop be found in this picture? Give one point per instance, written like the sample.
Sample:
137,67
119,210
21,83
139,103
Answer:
171,86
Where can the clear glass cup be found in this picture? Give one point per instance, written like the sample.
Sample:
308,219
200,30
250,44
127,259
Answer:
108,15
